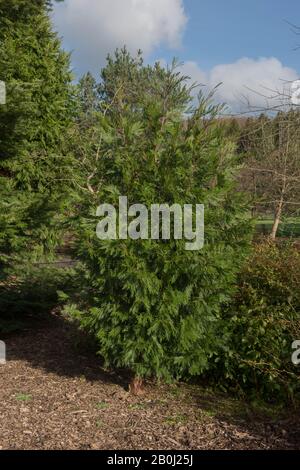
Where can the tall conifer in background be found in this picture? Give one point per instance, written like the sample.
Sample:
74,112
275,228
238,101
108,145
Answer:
32,123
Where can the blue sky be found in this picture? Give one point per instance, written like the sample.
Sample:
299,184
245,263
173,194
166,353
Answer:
246,44
222,31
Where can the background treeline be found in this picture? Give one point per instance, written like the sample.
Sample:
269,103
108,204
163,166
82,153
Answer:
269,150
228,312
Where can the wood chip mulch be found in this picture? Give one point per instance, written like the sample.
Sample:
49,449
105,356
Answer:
55,395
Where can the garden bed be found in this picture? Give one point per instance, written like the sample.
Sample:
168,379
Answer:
55,395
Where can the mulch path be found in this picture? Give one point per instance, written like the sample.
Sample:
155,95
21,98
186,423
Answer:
55,395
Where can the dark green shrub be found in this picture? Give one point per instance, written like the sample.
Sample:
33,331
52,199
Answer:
261,324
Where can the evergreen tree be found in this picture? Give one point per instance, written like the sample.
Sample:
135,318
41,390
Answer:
152,305
88,95
32,125
128,83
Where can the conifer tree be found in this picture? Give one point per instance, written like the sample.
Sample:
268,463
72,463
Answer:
88,95
152,305
32,124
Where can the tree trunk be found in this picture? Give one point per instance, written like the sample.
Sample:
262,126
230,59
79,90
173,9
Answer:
276,220
136,386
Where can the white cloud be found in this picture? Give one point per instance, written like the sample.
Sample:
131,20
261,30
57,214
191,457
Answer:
93,28
246,80
192,70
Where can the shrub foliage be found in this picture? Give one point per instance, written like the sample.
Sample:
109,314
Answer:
260,325
152,305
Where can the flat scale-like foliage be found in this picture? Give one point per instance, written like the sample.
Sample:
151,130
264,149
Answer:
152,305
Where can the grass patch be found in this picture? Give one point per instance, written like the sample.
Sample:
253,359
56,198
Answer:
176,419
137,406
102,405
23,397
289,227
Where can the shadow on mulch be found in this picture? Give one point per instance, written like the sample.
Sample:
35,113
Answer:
57,346
186,415
268,422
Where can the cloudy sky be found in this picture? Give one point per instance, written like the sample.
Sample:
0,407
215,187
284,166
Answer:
248,45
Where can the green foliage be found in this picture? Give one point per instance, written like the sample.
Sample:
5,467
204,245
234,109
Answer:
23,397
152,305
31,293
88,98
260,325
33,169
289,227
